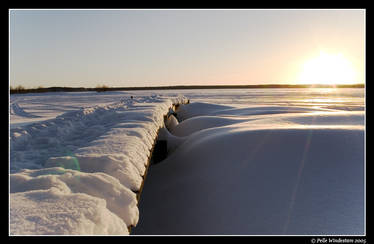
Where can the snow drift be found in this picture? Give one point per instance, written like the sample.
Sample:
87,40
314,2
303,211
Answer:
79,172
244,171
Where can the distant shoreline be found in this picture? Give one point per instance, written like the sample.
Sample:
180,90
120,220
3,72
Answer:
103,89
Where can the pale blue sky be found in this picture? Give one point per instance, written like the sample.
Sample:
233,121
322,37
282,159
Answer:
176,47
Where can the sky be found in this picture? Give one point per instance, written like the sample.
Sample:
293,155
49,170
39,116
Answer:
167,47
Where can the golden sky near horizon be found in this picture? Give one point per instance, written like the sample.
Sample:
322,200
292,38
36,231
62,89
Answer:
185,47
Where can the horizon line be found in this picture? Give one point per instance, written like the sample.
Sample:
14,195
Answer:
21,89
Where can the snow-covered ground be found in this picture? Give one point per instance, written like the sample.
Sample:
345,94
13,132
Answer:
251,162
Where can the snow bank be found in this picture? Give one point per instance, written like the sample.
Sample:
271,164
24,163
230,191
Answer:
50,212
119,199
79,173
244,171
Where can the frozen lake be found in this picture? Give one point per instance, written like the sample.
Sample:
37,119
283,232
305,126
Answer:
240,162
26,108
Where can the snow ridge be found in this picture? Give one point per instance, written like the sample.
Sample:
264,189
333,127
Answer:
79,173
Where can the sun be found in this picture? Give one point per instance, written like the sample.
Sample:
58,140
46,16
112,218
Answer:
327,68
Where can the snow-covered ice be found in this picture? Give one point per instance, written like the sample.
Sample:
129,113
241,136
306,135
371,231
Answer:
248,162
260,170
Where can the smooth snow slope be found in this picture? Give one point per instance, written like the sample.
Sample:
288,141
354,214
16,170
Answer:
78,173
259,170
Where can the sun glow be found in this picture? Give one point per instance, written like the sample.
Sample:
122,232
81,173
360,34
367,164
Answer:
328,69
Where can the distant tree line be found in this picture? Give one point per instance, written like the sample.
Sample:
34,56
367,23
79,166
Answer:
103,88
21,89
